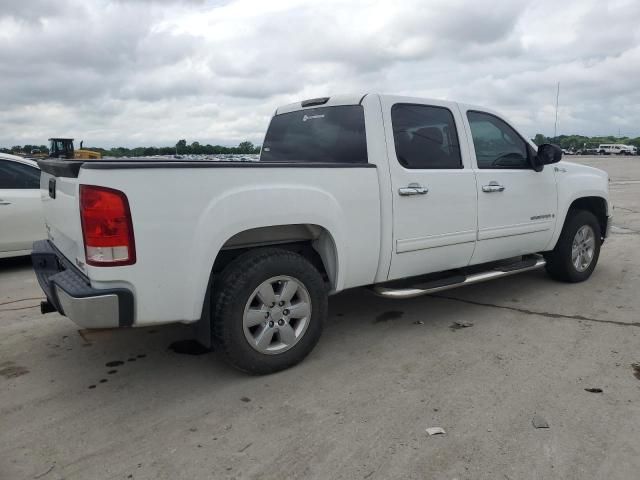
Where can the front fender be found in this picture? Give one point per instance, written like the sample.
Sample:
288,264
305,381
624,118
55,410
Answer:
575,182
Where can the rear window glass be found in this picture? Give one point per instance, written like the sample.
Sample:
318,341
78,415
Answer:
327,134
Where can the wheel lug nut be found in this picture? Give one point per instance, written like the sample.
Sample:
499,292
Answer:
271,324
281,322
266,315
281,303
285,312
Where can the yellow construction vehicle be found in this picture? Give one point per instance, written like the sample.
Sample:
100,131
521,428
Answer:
63,148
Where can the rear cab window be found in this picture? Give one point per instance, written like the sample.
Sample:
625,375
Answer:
317,135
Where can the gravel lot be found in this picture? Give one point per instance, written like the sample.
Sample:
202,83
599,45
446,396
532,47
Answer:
359,405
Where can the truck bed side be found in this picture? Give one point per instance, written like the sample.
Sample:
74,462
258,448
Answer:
185,213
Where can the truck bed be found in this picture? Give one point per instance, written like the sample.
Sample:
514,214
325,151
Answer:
184,212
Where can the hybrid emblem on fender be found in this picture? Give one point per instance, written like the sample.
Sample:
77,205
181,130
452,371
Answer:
542,217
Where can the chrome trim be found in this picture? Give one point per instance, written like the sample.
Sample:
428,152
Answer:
90,312
413,189
387,292
493,187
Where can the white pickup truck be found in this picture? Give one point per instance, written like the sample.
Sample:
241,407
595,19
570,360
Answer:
405,195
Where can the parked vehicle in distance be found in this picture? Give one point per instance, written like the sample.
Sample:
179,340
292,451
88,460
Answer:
21,221
588,151
617,149
406,195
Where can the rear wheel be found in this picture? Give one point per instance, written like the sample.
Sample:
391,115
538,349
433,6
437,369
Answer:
268,310
576,254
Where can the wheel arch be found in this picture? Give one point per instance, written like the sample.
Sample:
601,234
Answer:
312,241
595,204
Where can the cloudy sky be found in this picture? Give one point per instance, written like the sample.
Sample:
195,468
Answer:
149,72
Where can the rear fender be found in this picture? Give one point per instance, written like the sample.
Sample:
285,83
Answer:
241,209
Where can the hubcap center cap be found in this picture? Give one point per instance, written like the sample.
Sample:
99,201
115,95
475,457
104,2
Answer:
276,312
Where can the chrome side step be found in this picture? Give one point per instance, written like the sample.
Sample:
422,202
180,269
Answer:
417,290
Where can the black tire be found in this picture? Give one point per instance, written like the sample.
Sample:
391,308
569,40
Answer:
559,264
233,289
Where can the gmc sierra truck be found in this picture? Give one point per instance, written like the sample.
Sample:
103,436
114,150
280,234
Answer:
405,195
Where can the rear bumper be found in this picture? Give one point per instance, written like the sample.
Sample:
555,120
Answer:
71,294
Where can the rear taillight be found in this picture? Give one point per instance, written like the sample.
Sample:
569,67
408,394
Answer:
106,227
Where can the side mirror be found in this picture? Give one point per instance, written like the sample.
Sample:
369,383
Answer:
548,154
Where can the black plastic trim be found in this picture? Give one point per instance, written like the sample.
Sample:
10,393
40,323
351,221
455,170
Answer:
53,269
524,263
61,168
172,164
314,101
71,168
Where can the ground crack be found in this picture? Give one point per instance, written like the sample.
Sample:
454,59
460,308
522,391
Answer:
618,207
542,314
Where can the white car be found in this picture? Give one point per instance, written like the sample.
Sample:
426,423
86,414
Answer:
405,195
21,221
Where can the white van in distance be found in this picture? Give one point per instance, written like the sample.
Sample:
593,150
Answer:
617,149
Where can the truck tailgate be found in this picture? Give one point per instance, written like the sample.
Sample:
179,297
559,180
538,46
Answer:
59,192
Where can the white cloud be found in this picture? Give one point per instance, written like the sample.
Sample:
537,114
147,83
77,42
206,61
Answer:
141,72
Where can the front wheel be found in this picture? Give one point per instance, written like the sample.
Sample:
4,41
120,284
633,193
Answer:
576,254
268,310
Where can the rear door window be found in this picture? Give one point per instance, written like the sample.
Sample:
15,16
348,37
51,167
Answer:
326,134
425,137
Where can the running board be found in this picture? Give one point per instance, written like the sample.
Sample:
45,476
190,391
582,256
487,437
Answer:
458,281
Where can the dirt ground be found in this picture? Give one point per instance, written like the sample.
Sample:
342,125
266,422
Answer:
122,405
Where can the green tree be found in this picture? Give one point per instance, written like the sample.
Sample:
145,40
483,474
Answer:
539,139
181,146
246,147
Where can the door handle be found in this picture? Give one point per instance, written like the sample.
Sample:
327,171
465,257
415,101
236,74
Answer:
493,187
2,202
413,189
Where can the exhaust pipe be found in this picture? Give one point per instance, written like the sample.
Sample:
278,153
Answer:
46,307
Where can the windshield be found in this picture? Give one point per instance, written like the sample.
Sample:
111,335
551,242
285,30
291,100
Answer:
327,134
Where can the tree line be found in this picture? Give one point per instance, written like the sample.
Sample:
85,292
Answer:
570,142
180,148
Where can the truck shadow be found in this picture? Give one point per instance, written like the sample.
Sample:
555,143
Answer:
358,324
15,263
